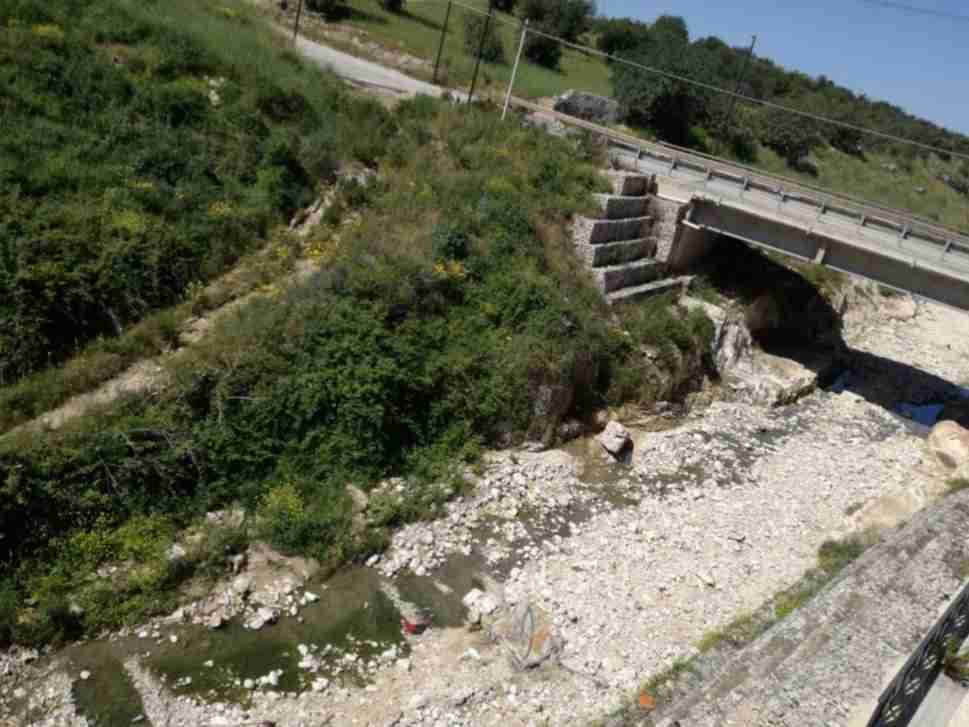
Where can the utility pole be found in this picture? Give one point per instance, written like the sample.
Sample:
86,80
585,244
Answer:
740,79
477,62
299,11
440,47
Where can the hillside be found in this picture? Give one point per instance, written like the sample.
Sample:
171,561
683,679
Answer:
144,151
447,313
929,185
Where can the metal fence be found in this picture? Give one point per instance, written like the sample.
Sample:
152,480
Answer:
901,700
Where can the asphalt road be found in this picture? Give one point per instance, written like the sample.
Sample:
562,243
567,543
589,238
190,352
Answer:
362,71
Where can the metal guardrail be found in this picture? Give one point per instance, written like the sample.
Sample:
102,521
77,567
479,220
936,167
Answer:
862,212
903,696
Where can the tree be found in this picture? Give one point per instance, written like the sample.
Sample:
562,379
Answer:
790,135
673,26
394,6
505,6
567,19
664,104
618,36
492,49
329,9
543,50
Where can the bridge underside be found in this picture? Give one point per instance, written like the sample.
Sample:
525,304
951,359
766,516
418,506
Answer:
907,265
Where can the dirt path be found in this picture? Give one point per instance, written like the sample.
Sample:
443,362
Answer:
150,374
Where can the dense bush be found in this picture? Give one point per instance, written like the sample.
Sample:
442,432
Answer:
394,6
793,137
543,50
566,19
664,104
330,9
475,39
618,36
139,157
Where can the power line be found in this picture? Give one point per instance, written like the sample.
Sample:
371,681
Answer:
733,94
942,14
750,99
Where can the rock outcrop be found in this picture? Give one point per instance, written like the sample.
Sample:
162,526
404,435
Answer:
948,443
588,106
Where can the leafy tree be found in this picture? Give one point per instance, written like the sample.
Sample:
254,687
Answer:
566,19
673,26
790,135
667,105
328,8
543,50
618,36
492,49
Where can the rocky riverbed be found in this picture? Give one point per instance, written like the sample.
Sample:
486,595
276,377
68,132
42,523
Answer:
592,573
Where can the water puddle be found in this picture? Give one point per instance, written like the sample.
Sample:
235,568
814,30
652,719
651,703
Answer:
925,414
353,621
107,697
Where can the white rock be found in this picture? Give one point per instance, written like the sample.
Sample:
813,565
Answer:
614,438
85,675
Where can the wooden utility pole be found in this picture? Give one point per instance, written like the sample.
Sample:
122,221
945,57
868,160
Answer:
299,11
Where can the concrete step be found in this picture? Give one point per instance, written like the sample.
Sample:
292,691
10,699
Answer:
618,207
614,253
589,231
658,287
626,275
630,183
829,661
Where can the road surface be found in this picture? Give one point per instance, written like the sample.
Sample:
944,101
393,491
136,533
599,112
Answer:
363,71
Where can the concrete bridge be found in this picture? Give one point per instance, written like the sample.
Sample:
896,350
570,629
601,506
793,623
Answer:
696,198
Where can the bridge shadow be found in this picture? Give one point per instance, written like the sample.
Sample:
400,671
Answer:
789,317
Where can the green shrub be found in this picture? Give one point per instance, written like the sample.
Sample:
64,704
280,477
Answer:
790,135
476,40
130,174
329,9
543,50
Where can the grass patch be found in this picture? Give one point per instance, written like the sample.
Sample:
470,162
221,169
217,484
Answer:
147,148
957,484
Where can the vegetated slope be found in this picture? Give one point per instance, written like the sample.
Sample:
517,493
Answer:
841,160
145,147
452,313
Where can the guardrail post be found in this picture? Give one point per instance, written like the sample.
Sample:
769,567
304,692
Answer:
821,210
945,250
672,165
864,218
514,70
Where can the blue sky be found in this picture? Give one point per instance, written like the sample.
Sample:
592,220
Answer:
918,62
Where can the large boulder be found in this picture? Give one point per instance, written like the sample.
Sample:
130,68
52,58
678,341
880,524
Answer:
588,106
615,439
731,337
949,445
